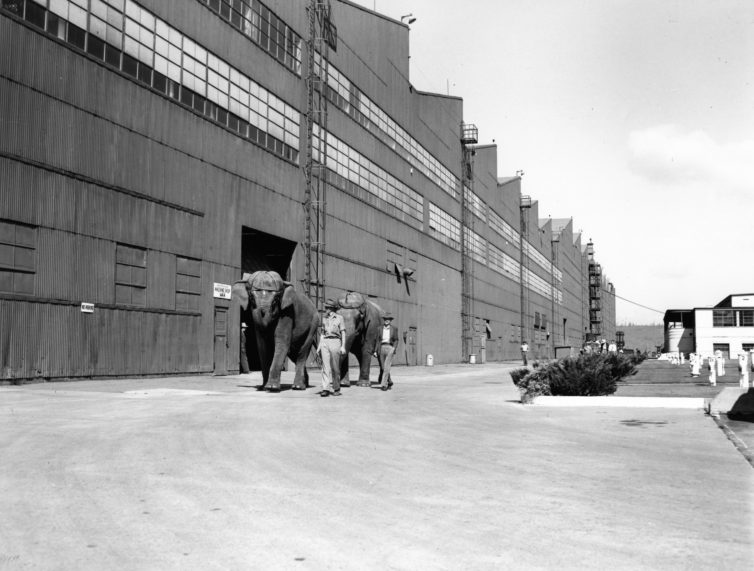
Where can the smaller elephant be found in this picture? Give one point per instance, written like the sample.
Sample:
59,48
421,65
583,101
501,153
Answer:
363,319
286,324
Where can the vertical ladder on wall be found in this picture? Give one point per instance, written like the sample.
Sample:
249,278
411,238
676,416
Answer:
523,244
469,137
321,39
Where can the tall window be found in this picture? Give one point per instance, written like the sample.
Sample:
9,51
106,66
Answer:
130,275
188,283
18,257
444,227
723,318
746,318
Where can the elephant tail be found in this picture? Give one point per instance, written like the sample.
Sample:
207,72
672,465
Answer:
313,349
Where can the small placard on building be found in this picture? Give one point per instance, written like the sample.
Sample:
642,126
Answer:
222,291
87,308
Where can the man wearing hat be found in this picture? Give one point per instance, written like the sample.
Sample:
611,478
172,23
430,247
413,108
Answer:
332,344
388,345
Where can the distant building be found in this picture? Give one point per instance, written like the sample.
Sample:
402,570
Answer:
728,327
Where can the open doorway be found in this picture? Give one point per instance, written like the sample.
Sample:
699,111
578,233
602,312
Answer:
262,251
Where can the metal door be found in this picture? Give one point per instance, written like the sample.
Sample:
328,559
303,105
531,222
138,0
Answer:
411,356
221,340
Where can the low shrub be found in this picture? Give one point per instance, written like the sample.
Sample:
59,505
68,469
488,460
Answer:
518,374
585,375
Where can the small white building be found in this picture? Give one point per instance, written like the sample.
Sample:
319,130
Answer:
728,327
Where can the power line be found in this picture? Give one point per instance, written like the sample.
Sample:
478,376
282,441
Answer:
633,302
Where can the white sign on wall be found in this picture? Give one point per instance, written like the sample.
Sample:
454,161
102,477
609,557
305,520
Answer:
87,308
222,291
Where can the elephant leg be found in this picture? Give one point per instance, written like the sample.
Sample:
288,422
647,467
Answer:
282,345
264,360
276,368
345,381
301,381
365,362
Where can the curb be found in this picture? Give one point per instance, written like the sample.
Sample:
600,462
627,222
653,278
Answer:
627,402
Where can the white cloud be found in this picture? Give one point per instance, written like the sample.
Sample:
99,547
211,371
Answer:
667,154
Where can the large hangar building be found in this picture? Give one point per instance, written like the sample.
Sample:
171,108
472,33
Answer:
154,151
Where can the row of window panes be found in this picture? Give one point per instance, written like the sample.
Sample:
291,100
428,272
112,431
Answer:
475,245
733,317
256,21
537,284
504,229
354,102
164,59
355,167
444,227
507,232
475,204
542,261
503,263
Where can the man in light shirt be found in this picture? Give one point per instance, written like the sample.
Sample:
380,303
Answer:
388,345
332,344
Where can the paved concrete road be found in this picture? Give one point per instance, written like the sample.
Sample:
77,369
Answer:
446,471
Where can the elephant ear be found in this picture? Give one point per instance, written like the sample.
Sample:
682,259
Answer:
288,296
241,293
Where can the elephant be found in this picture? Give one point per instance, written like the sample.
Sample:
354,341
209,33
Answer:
286,324
363,320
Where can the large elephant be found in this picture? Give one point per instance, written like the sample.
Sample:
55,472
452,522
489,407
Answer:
286,324
363,319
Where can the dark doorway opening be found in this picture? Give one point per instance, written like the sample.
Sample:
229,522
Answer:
262,251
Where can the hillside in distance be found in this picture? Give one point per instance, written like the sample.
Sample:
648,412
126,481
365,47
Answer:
643,337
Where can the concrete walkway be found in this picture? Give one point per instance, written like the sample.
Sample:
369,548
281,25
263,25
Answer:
446,471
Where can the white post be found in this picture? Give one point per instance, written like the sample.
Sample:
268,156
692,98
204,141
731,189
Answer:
743,367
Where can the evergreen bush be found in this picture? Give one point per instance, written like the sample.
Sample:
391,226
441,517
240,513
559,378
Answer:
585,375
518,374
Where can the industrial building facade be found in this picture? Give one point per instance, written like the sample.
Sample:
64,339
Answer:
154,151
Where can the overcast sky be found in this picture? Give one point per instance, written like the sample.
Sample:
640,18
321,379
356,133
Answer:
634,117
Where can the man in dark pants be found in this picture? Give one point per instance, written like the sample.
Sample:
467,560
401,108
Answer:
244,358
388,345
525,352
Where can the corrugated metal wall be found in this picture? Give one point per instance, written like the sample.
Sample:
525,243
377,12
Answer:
49,340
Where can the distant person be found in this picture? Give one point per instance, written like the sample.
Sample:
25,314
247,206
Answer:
695,361
720,361
612,348
525,352
712,361
388,345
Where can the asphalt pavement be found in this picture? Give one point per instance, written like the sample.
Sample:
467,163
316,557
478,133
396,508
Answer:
446,471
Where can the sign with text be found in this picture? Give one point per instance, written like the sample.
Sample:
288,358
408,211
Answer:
87,308
222,291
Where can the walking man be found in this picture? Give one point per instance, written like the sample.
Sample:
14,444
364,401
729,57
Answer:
332,344
524,352
244,357
388,345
